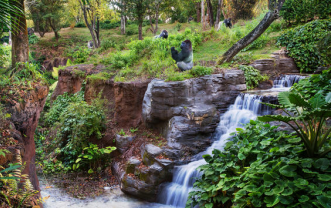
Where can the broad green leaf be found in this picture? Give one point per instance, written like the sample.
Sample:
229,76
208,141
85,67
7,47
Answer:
288,170
90,171
283,99
303,198
324,177
297,100
317,101
271,200
287,192
11,168
322,163
269,118
324,201
328,98
209,205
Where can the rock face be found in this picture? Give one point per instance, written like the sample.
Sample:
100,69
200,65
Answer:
123,142
141,177
278,64
187,112
25,116
71,79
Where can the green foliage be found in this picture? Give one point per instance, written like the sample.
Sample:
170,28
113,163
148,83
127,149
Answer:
91,157
72,122
106,44
178,27
316,83
258,43
80,24
305,10
262,167
131,30
33,39
301,43
122,132
307,118
81,55
199,71
133,130
5,56
252,76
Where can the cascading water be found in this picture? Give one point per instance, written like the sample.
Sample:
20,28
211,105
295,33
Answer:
287,80
245,108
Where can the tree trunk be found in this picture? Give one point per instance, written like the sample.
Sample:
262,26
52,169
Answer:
203,14
97,33
20,40
156,18
211,15
140,29
122,24
151,23
198,8
89,26
218,14
248,39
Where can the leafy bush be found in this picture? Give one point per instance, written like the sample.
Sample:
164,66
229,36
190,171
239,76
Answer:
106,44
109,24
262,167
81,55
301,41
309,120
252,76
5,56
199,71
258,43
316,83
80,24
305,10
33,39
131,30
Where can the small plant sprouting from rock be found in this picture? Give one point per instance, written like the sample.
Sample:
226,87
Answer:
122,132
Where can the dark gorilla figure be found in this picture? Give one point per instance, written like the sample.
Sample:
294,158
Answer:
184,59
227,23
163,34
30,31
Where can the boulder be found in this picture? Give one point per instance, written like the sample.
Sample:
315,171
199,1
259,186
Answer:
123,142
187,112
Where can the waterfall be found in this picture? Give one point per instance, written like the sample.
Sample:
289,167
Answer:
245,108
287,80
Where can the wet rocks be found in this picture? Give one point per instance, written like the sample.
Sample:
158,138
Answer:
187,112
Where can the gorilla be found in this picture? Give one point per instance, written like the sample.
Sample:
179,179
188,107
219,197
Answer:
30,31
163,34
90,44
190,19
184,59
227,23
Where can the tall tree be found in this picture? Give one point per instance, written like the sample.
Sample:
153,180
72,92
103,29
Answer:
274,7
218,14
138,9
210,12
123,17
203,14
20,41
92,19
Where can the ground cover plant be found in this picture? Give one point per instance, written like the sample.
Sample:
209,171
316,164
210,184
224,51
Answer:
301,43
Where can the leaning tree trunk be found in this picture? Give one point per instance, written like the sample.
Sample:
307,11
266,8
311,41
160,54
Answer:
211,15
248,39
218,14
20,40
156,18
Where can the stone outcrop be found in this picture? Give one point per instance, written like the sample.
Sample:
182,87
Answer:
124,99
71,79
24,121
187,112
141,177
279,64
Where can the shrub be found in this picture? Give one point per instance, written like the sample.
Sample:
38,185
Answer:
199,71
33,39
81,55
258,43
252,76
301,41
106,44
262,167
131,30
305,10
80,24
5,56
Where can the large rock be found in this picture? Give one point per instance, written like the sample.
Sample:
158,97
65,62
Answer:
49,64
123,142
279,64
141,177
187,112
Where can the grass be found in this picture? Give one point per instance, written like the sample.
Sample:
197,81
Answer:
146,64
